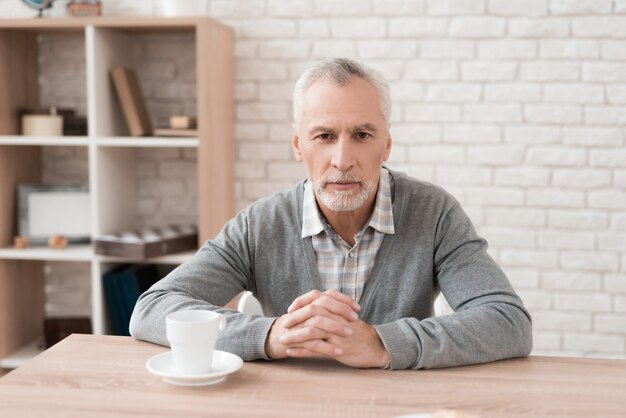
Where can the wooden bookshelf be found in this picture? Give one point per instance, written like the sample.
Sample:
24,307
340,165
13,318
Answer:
111,151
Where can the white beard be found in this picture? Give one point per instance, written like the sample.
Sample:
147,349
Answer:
343,200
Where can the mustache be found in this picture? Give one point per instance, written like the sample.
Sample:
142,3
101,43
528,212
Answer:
346,177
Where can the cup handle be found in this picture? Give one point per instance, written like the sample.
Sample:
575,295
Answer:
222,323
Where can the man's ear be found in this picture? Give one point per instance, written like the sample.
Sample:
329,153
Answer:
295,144
387,148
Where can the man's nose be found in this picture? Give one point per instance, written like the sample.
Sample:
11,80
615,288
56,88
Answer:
343,154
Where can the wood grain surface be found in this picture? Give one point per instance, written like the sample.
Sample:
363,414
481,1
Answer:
21,283
215,69
100,376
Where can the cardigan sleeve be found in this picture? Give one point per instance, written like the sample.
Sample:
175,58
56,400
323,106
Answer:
489,323
219,270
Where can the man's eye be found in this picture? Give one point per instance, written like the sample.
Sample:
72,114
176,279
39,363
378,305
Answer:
325,136
362,135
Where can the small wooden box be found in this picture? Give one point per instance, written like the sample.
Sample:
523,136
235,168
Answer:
183,122
150,242
84,8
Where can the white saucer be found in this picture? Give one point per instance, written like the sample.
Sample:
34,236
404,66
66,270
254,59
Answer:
223,364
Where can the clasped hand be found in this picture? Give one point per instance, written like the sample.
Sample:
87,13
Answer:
326,324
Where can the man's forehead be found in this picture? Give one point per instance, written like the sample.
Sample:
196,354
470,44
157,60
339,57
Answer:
357,110
340,107
348,120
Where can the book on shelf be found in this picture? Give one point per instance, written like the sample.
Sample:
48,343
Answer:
122,288
175,132
113,298
131,100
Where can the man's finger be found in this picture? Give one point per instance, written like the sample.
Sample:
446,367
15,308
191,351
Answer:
309,311
315,348
344,299
301,352
318,327
334,306
302,335
313,295
304,300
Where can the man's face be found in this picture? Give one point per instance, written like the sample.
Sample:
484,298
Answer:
342,140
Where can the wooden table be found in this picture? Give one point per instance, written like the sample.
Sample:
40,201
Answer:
87,375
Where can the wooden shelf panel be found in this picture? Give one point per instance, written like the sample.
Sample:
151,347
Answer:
132,142
148,142
72,24
20,356
44,140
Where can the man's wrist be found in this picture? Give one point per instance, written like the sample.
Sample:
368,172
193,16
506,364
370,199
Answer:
386,356
269,352
385,359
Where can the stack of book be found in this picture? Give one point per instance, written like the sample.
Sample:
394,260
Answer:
122,288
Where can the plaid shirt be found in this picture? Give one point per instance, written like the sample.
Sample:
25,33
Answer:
341,266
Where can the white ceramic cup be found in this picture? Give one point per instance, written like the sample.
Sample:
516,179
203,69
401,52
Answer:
192,335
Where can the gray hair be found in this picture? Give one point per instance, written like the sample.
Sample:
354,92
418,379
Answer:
340,71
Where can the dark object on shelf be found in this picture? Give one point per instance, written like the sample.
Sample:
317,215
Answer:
175,132
131,100
122,288
84,8
52,110
149,242
75,125
39,5
56,329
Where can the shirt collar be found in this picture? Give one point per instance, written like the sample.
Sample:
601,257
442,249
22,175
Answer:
382,215
311,222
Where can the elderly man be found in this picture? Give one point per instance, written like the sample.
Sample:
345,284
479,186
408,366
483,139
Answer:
347,263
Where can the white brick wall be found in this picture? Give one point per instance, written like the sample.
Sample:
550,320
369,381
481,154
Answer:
517,107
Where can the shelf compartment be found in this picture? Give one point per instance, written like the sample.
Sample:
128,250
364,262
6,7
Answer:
22,355
115,46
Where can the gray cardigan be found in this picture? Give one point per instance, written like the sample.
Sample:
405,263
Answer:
434,248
